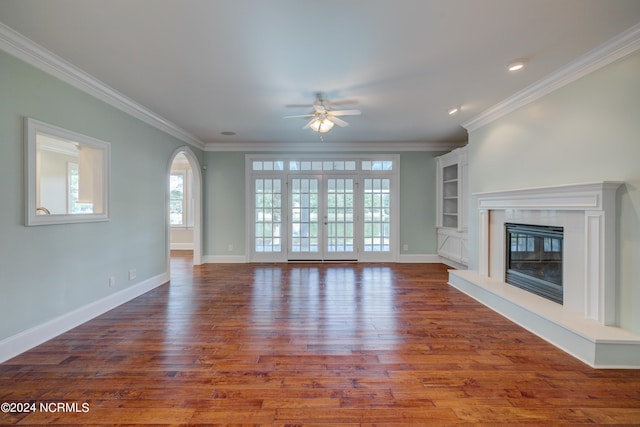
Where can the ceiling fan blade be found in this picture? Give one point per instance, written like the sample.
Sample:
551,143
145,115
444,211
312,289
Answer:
299,115
299,105
338,121
308,124
345,112
342,102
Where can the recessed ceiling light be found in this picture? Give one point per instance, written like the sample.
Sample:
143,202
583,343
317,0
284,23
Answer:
516,66
227,133
453,111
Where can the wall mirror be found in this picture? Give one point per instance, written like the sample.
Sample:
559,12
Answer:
67,175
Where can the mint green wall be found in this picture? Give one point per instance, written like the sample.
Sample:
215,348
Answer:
586,131
418,203
224,203
47,271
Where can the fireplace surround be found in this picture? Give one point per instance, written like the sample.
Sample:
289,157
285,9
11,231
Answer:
585,324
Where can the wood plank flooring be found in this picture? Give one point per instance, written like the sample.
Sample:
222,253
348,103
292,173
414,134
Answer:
310,344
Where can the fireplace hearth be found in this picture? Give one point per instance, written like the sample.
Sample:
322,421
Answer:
534,259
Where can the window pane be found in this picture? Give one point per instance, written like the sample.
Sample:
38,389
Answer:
176,199
175,212
340,229
176,186
304,215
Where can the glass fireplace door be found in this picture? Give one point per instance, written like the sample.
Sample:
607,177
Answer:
534,259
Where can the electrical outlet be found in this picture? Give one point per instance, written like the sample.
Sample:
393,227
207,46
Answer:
405,247
112,281
230,248
132,274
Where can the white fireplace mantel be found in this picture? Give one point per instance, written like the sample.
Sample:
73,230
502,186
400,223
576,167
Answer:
585,327
597,202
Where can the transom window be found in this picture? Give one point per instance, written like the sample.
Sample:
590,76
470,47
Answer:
322,165
268,165
377,165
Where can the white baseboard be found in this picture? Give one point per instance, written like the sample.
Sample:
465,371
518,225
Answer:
26,340
419,259
453,264
224,259
239,259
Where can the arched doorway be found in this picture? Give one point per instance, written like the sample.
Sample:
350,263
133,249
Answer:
191,209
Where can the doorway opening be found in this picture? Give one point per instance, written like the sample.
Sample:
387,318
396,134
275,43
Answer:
184,205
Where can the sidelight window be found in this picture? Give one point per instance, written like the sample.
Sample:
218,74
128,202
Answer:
268,215
377,215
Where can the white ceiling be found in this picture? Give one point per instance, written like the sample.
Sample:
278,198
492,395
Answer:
211,66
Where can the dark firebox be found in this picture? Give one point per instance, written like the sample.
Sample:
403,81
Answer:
534,259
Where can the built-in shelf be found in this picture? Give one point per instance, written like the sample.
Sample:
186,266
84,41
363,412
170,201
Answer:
451,225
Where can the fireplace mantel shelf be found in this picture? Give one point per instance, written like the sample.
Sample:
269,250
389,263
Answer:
585,196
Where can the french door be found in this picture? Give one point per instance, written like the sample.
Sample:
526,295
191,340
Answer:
322,217
321,208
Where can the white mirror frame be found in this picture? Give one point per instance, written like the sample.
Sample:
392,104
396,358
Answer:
31,128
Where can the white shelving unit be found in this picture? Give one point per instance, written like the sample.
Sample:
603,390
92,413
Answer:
450,184
451,204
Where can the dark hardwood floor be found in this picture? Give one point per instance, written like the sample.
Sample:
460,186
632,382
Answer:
310,344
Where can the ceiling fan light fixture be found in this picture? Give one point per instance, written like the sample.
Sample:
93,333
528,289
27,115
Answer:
321,124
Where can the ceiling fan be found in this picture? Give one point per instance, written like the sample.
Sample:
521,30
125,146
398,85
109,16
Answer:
323,117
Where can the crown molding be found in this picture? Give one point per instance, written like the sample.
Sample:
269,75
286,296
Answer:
357,147
616,48
27,50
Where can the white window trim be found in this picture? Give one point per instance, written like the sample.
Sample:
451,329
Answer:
32,128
